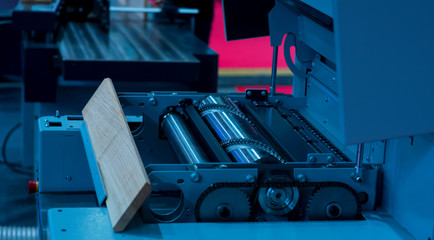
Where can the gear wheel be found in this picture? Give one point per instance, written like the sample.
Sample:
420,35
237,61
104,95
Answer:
278,200
224,204
333,203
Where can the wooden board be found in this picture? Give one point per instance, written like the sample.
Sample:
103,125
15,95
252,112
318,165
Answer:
124,177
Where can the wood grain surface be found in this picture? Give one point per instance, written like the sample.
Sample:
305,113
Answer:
124,177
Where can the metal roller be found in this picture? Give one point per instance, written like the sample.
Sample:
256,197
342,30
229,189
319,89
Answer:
182,140
234,131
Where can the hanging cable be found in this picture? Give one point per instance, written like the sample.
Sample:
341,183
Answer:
15,167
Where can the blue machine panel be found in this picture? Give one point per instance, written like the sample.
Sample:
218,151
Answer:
101,194
61,159
94,223
384,61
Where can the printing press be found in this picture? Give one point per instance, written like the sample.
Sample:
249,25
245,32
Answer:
336,159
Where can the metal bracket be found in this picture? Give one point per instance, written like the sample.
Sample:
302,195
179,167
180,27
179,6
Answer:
258,95
321,158
101,194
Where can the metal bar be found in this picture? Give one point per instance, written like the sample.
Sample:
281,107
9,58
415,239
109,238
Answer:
203,133
359,160
151,10
274,70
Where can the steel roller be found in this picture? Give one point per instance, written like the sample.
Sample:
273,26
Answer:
182,140
236,134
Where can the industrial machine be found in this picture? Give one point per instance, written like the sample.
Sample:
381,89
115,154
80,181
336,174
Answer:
337,159
63,48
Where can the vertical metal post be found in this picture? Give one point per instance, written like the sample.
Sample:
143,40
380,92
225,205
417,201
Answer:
192,23
359,160
274,70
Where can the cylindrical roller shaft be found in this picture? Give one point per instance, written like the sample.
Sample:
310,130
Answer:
234,131
182,140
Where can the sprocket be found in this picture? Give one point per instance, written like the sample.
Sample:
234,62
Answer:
333,203
224,204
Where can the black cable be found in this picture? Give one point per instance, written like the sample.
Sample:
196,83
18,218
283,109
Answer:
15,167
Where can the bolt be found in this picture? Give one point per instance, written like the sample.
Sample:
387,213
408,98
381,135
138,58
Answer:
250,178
195,103
324,120
46,120
57,113
333,80
301,178
312,159
224,211
326,99
278,102
358,179
329,159
264,93
223,166
68,178
249,93
195,177
47,125
153,101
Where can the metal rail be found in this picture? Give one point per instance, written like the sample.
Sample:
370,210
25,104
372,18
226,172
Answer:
151,10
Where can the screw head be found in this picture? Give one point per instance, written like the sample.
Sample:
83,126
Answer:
250,178
153,101
195,103
301,178
249,93
264,93
195,177
329,159
68,178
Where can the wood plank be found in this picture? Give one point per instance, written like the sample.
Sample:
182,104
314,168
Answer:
124,177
